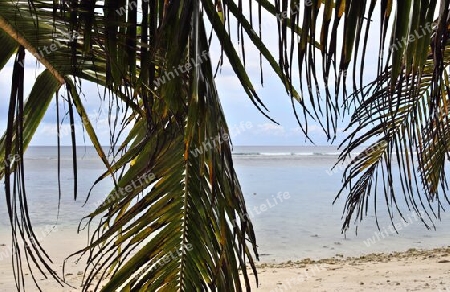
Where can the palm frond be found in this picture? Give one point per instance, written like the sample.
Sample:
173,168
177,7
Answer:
404,130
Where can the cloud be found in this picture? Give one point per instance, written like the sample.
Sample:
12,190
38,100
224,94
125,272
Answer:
270,129
46,133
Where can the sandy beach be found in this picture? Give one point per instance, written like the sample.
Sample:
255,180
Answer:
411,270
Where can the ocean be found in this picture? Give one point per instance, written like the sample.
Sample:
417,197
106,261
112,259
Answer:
289,193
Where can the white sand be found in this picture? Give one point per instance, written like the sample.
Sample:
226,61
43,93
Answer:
414,270
58,245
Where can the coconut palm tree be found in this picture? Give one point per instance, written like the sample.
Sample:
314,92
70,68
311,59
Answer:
152,59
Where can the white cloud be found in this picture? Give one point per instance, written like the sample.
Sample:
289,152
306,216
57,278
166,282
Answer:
271,129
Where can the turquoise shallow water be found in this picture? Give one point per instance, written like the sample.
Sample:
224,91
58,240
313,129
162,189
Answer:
289,193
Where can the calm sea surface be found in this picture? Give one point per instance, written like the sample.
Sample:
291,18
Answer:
289,193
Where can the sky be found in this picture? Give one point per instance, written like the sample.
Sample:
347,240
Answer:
247,125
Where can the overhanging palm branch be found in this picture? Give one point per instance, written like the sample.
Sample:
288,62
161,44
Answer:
403,116
395,127
128,46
